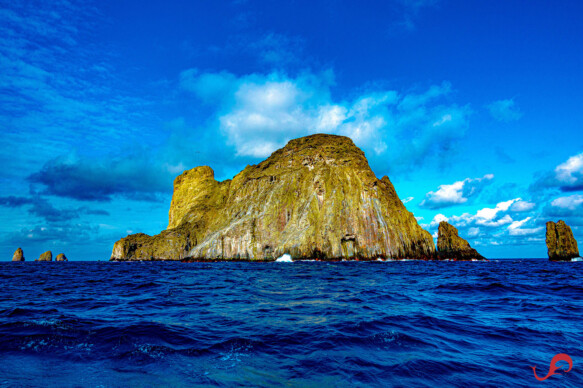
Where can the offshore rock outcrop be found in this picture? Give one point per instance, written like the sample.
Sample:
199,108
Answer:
450,246
315,198
18,255
561,244
61,257
47,256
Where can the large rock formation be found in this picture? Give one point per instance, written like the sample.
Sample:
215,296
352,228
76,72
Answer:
61,257
18,255
315,198
561,244
47,256
452,247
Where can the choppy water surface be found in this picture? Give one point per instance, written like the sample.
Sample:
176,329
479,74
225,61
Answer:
297,324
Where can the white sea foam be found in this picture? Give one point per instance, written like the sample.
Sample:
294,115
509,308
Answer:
285,258
577,259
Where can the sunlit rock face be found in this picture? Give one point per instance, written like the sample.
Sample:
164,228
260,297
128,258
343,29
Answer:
316,198
61,257
47,256
18,255
450,246
561,244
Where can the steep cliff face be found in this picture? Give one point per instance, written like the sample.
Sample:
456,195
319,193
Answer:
561,244
315,198
453,247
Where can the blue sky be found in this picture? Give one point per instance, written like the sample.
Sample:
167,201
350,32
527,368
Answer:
473,109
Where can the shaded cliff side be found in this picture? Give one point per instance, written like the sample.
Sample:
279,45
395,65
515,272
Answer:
452,247
561,244
315,198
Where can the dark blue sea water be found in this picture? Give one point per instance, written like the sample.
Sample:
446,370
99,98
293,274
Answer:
418,324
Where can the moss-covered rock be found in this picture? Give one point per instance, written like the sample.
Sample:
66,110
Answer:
315,198
18,255
450,246
561,244
47,256
61,257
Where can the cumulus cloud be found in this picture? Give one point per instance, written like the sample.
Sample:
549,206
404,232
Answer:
505,110
457,193
495,225
258,113
516,229
572,202
435,221
488,217
570,173
567,176
522,206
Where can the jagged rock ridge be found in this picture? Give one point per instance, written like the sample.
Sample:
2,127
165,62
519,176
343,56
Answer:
315,198
453,247
561,244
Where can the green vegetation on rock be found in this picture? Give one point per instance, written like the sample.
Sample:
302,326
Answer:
315,198
450,246
561,244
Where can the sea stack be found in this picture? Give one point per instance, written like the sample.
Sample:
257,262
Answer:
450,246
316,198
61,257
47,256
561,244
18,255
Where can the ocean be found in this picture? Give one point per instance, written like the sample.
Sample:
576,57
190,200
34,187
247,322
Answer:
312,324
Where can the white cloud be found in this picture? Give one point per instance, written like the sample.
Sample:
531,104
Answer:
489,217
515,228
522,206
436,220
473,232
456,193
571,202
258,113
505,110
571,171
408,199
567,176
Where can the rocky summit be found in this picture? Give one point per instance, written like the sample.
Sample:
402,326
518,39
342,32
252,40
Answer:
47,256
18,255
316,198
450,246
561,244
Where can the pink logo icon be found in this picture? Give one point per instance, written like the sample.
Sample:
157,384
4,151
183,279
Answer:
554,367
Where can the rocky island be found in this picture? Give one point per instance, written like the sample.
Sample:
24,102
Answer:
18,255
450,246
561,244
316,198
47,256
